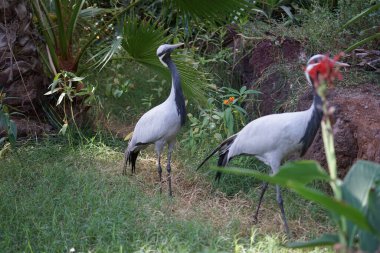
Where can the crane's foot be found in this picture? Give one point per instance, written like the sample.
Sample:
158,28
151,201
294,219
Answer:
255,219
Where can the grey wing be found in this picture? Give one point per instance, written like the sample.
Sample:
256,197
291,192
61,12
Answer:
150,128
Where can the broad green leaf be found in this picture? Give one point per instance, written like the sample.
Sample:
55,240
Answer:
304,171
331,204
369,242
324,240
356,188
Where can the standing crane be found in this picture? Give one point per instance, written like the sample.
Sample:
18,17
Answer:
160,125
272,138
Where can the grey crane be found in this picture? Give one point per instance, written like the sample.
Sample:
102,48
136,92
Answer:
272,138
160,125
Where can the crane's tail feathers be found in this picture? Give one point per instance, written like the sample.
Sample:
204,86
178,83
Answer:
222,161
222,148
130,158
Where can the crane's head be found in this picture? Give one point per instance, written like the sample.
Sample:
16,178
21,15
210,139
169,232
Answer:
164,50
318,59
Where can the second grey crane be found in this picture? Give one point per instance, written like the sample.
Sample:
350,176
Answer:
160,125
272,138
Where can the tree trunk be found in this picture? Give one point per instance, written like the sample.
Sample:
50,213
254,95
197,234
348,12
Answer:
22,78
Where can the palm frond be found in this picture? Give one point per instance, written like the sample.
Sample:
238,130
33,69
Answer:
106,53
141,40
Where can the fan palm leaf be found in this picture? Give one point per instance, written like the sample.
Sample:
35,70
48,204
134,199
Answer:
141,40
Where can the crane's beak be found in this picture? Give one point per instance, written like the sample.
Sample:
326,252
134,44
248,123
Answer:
341,64
174,46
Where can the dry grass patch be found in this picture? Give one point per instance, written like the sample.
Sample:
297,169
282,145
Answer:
196,198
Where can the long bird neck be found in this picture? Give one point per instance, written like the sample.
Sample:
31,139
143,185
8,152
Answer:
314,122
176,90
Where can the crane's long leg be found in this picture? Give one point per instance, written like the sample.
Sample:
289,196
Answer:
168,168
263,189
159,170
280,203
159,147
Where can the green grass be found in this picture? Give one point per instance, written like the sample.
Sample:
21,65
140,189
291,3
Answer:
55,197
55,202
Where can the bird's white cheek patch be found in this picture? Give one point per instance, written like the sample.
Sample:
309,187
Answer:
162,60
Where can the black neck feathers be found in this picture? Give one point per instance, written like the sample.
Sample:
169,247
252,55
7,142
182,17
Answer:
178,94
313,124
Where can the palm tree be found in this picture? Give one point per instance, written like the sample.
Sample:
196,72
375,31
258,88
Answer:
22,78
66,42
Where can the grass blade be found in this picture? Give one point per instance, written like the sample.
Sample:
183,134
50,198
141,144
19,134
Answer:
362,42
362,14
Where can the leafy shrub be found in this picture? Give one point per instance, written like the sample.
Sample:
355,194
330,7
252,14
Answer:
216,123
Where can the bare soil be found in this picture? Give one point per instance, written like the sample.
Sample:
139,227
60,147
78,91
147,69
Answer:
356,126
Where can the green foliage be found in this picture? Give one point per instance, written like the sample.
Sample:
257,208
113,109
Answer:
7,125
359,187
221,118
213,10
70,90
59,34
362,15
324,240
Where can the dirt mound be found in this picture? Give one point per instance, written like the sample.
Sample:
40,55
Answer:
356,126
259,70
